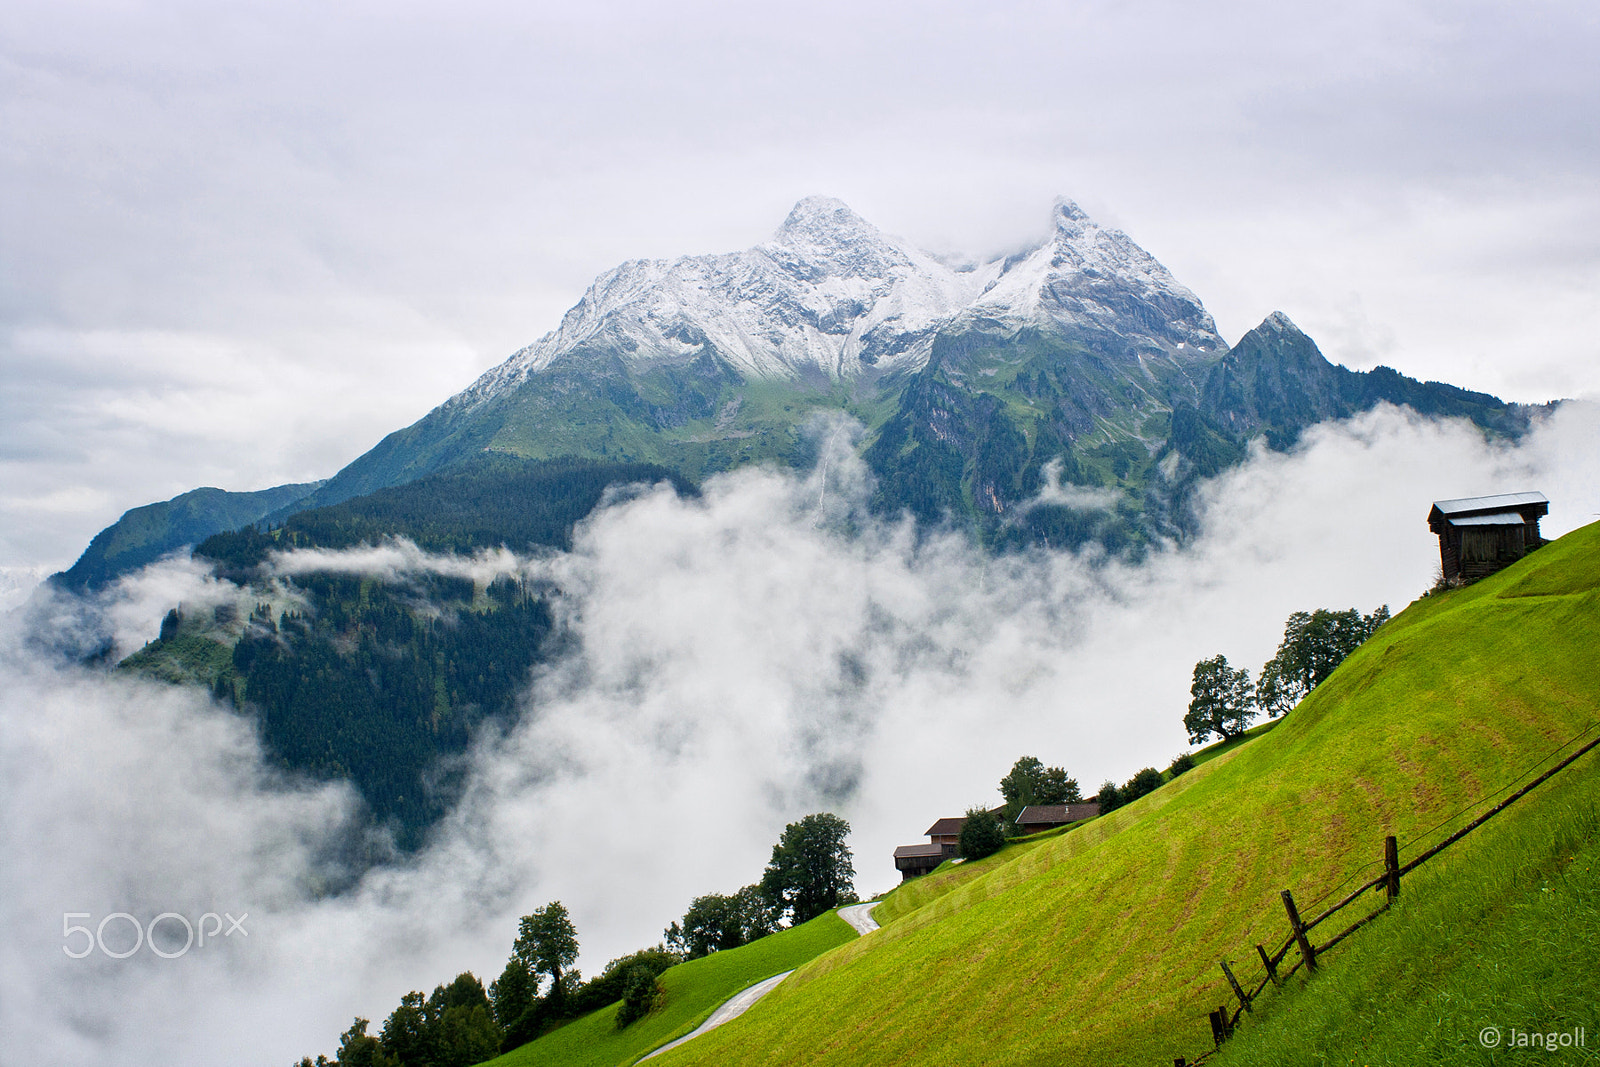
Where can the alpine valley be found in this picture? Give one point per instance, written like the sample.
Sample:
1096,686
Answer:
1071,394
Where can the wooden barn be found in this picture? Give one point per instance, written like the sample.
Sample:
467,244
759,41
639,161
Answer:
914,860
943,837
1479,535
946,832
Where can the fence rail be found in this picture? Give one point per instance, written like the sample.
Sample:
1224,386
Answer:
1223,1021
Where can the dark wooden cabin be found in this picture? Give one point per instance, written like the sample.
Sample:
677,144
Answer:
1479,535
1036,818
943,838
914,860
946,832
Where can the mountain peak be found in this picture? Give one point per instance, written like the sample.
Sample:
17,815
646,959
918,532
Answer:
1068,215
1278,322
825,218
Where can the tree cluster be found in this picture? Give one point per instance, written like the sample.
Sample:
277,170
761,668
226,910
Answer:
982,833
454,1027
1031,782
715,922
1028,782
1111,796
810,872
463,1024
1223,700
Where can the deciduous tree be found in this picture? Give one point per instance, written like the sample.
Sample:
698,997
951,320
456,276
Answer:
1221,700
810,871
546,942
982,834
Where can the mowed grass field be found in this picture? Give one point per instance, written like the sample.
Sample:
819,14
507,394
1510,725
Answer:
691,992
1100,946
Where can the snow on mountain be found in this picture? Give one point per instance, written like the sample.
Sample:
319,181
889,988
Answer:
832,296
1089,278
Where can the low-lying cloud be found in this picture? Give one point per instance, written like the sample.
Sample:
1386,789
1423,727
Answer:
736,661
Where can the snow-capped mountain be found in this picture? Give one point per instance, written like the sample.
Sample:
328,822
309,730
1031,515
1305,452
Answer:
832,295
1082,356
1089,279
829,294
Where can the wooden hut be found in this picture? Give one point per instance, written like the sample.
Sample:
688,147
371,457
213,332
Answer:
943,837
946,832
913,860
1479,535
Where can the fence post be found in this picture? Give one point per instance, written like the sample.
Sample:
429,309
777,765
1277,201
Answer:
1266,961
1391,866
1219,1027
1309,953
1238,990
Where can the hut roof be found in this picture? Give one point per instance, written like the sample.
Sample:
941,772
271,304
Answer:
1034,814
1498,518
946,826
905,852
1527,506
1480,504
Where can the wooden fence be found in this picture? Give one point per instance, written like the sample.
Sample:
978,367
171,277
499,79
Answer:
1223,1021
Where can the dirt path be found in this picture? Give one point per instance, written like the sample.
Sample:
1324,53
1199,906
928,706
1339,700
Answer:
859,916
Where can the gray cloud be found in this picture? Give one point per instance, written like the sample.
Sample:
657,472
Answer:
737,660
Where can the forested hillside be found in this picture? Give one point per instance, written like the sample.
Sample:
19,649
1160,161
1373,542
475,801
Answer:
380,682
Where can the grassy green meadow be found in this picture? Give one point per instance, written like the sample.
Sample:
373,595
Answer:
1099,945
690,993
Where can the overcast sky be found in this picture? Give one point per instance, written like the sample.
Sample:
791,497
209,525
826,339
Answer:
239,243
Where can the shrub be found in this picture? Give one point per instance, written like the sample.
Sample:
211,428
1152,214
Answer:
638,994
981,835
1146,781
1182,762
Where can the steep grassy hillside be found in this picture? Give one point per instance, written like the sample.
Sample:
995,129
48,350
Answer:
691,992
1101,945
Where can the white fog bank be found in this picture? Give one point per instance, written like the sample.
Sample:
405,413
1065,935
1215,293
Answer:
738,661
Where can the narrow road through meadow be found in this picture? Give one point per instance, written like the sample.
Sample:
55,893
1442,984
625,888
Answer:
859,916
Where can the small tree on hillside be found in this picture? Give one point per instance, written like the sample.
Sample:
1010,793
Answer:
1109,798
546,942
982,834
1031,782
810,871
759,914
1020,784
1221,701
1056,788
1146,781
639,992
1314,644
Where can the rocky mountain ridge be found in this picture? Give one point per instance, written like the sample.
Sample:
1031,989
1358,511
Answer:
1082,353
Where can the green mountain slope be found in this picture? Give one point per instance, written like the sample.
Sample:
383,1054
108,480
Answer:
145,534
1101,946
690,993
352,677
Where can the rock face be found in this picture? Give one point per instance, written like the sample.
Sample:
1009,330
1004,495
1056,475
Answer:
1276,382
